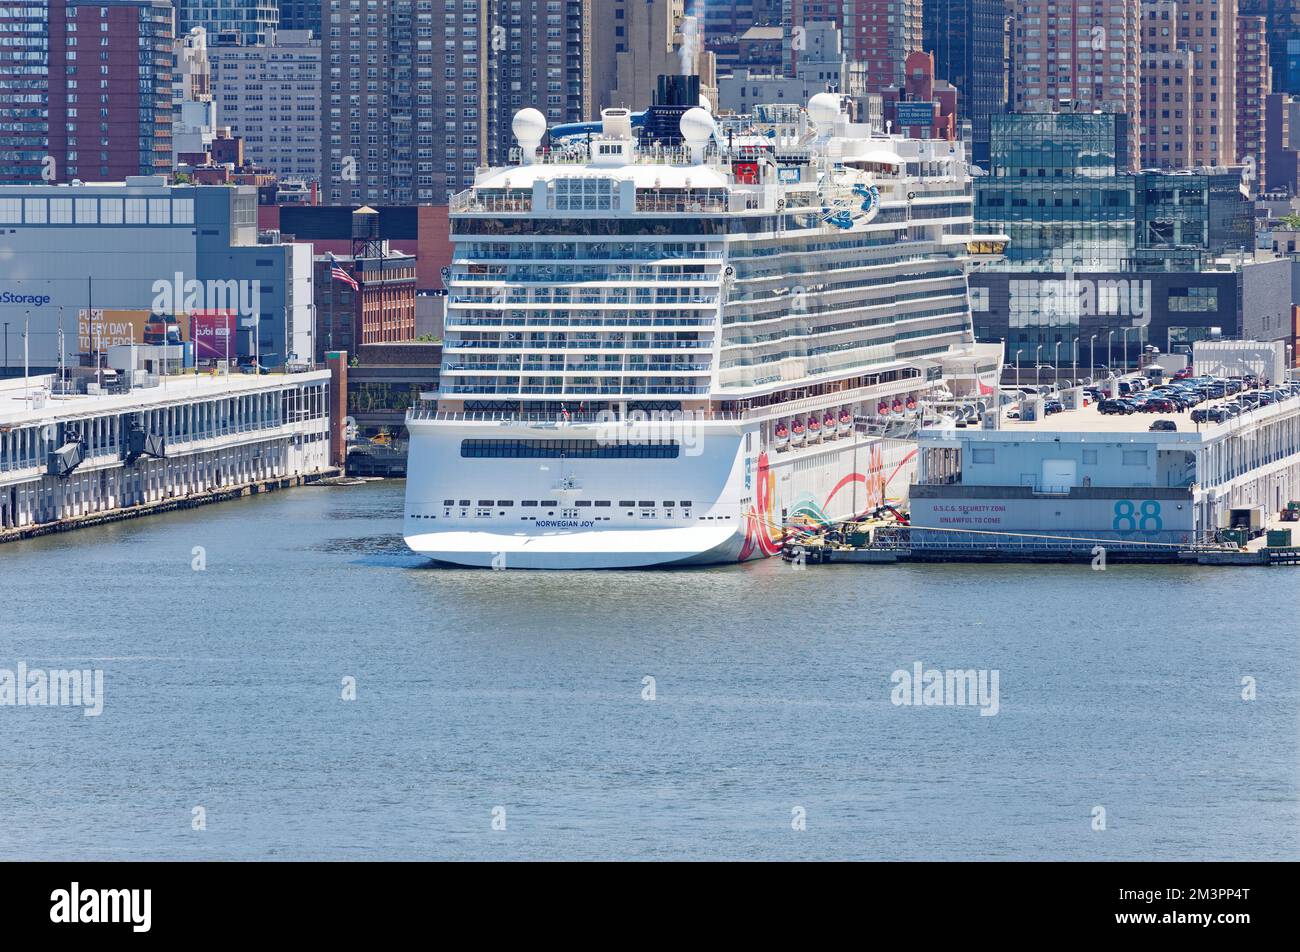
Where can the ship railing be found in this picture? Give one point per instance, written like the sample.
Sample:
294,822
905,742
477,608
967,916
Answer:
611,416
475,201
577,345
636,253
653,202
457,321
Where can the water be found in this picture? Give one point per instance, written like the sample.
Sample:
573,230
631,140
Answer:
476,690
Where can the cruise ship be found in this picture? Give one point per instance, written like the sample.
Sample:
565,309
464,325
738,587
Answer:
662,354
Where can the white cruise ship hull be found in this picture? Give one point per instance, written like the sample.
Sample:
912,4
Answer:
709,494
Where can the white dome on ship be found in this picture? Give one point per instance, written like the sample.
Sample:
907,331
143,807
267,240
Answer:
697,126
529,125
705,104
824,111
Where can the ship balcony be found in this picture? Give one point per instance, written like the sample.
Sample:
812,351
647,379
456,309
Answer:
494,201
542,347
593,323
471,253
515,366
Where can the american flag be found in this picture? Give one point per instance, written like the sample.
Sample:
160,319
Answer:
338,274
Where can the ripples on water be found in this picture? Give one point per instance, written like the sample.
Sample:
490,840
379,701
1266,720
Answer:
478,689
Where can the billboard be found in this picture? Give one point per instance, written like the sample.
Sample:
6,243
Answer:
915,114
102,328
214,335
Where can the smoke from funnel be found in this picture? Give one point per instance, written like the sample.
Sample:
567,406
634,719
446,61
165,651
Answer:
690,37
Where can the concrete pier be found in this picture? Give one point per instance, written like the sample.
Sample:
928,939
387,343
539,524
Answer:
190,440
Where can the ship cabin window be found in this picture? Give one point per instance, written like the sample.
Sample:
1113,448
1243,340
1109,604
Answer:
583,502
549,502
686,504
600,502
485,502
668,504
506,503
646,503
529,502
626,503
464,502
449,502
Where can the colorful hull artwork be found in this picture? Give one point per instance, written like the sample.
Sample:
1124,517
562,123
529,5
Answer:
758,521
761,524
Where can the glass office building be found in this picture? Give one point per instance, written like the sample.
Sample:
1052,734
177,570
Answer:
1055,189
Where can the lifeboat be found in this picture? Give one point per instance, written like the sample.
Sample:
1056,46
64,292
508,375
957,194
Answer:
883,408
814,430
846,422
796,433
828,426
781,436
898,405
911,403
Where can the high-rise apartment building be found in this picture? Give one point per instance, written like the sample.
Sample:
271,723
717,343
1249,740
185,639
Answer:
385,64
416,94
1083,53
1282,26
269,94
966,39
85,89
539,55
229,21
194,114
1254,84
1189,83
648,39
877,33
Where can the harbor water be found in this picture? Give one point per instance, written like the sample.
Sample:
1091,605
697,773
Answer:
1143,712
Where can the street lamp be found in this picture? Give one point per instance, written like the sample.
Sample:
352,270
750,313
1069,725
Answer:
1110,366
1124,331
1018,353
1038,366
1074,351
1056,366
1092,362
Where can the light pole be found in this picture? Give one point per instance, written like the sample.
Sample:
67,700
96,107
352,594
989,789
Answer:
1124,331
1110,366
1092,354
1038,366
1018,353
1074,364
27,320
1056,366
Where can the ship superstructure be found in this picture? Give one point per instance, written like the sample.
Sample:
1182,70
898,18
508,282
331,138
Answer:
661,353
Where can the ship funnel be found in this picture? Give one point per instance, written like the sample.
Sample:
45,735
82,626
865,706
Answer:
616,123
529,126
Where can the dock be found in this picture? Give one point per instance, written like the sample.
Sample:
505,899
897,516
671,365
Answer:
79,459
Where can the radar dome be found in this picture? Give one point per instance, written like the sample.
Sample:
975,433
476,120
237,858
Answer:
529,126
824,110
696,126
705,104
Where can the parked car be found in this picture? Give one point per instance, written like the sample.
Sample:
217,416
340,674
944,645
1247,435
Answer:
1162,426
1052,406
1114,407
1157,405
